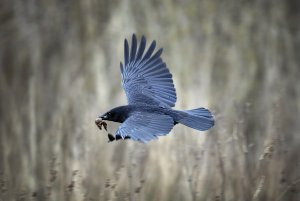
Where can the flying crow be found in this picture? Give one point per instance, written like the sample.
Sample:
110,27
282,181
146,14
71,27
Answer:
151,95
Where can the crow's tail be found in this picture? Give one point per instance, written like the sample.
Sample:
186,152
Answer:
200,119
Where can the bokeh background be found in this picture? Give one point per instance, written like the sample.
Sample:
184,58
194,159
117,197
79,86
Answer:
59,69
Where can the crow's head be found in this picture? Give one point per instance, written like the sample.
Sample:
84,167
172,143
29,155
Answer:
118,114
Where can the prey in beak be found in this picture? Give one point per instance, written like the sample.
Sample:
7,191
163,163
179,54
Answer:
99,122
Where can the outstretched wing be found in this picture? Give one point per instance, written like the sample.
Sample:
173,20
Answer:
145,77
144,127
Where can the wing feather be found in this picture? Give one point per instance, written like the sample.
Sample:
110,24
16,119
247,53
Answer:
150,50
121,67
126,52
133,48
141,48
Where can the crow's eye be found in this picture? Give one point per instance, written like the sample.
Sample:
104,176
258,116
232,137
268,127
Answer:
109,114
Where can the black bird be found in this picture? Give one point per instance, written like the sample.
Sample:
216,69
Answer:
151,95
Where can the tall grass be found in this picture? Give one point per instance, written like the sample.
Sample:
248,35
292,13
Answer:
59,70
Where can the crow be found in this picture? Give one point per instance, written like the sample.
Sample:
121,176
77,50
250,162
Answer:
151,95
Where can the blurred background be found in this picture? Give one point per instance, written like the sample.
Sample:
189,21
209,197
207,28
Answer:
59,69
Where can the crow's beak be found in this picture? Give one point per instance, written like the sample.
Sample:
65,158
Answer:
101,118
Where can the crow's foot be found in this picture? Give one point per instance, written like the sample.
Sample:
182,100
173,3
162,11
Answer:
110,137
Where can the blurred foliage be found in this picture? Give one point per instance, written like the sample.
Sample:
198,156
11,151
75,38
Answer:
59,69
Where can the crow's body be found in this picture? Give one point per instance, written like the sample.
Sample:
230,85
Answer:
151,95
121,113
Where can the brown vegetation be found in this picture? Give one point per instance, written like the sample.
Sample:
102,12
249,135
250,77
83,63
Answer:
59,69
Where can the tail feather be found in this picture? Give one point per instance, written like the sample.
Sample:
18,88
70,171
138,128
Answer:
199,119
